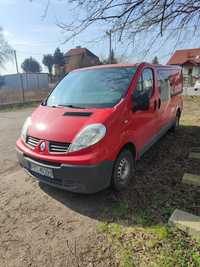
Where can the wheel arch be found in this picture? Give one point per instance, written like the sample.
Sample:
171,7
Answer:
131,147
178,111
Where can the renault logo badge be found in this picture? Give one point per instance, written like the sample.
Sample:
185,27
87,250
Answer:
42,146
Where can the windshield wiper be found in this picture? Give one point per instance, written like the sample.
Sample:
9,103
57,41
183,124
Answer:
55,106
71,106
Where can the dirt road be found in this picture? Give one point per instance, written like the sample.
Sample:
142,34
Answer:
44,226
36,221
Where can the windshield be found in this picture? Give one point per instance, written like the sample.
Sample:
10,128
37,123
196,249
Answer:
92,88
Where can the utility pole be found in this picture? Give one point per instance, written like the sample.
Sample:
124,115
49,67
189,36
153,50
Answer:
16,63
20,76
109,33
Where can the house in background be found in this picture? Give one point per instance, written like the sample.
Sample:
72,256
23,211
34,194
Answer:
189,59
78,58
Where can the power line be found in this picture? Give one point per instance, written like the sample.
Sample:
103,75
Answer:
31,53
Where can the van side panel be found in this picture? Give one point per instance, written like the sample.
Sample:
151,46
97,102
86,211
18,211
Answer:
170,88
176,81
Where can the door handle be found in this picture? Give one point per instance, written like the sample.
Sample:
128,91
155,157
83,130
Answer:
159,103
155,104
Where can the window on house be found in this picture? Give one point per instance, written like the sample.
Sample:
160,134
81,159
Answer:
195,71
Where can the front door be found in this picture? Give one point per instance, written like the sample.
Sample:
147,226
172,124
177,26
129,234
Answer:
145,122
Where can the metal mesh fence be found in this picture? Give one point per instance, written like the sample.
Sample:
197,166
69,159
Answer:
25,87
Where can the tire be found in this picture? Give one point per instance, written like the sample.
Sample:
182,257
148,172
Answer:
124,168
177,122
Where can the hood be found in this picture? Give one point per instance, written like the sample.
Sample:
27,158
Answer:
62,124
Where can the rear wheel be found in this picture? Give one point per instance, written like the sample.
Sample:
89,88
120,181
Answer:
123,170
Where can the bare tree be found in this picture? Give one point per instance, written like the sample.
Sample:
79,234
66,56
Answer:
112,60
136,23
130,17
155,60
5,50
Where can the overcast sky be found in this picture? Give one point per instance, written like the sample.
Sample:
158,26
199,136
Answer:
32,35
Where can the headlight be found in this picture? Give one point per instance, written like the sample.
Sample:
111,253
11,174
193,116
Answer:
25,127
88,136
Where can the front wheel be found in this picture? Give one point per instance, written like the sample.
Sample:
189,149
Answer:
177,122
123,170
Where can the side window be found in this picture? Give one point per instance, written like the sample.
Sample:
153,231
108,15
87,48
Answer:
145,83
139,89
148,81
164,85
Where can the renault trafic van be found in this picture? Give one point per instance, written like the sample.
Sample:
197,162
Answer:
97,122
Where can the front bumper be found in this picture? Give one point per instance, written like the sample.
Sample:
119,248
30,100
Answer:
75,178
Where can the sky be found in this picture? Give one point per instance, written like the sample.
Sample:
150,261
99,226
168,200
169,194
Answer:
31,34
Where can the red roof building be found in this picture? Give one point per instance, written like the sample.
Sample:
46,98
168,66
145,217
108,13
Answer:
78,58
189,59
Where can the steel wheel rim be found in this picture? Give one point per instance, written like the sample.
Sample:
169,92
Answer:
123,171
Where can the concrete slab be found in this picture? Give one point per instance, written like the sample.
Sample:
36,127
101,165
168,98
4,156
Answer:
194,155
186,222
191,179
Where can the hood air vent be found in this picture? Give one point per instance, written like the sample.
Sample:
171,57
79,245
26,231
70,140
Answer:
78,114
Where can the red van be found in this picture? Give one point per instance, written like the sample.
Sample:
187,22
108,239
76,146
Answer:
97,122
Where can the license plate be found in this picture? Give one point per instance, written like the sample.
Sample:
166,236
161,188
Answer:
42,170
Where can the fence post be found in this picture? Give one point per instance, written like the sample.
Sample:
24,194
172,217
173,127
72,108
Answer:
22,87
38,84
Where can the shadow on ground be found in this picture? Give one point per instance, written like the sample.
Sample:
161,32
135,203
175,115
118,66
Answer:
157,189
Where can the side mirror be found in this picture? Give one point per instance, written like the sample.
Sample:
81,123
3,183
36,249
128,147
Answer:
44,102
140,102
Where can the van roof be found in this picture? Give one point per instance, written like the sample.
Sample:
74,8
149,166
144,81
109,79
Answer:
128,66
108,66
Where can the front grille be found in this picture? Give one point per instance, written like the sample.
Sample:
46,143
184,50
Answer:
57,147
32,141
54,147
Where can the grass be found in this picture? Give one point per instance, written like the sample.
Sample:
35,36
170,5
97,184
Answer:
120,209
142,243
150,246
133,230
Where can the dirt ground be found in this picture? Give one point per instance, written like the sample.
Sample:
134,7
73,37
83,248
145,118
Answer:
36,221
44,226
